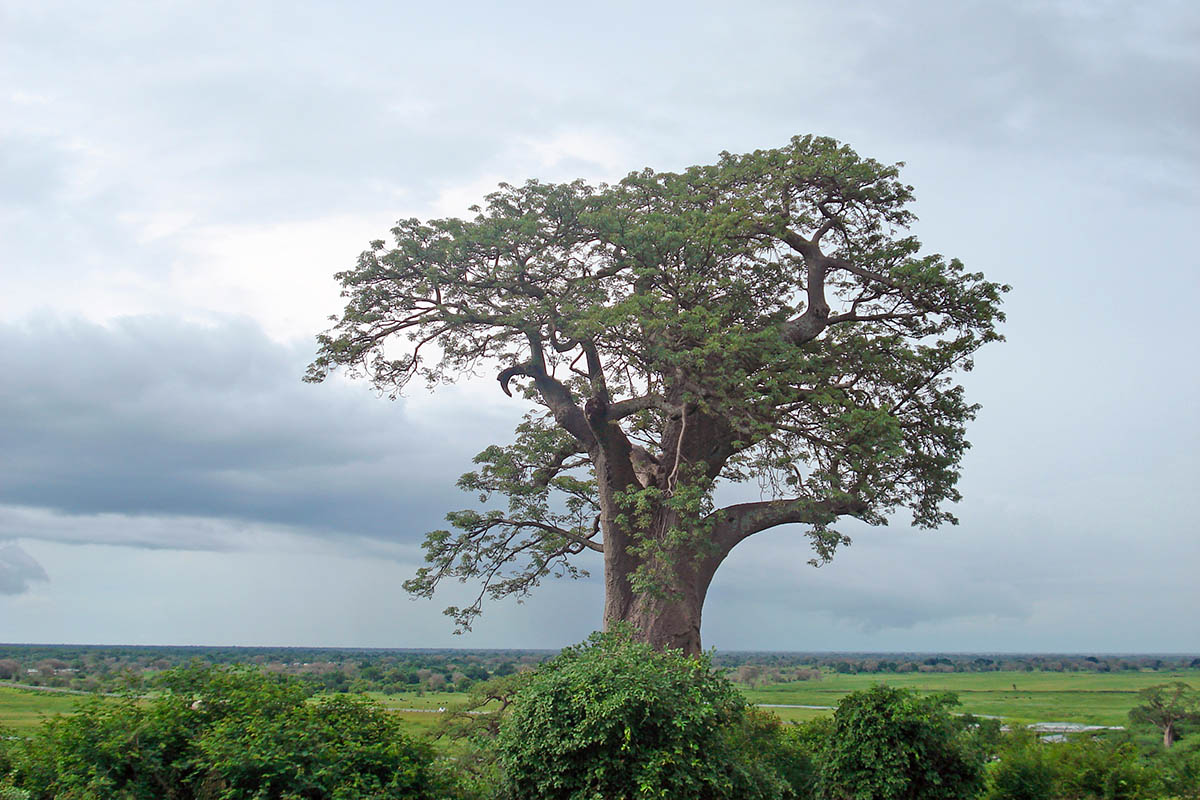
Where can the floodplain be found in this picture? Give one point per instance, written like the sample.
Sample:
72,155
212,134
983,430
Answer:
1017,697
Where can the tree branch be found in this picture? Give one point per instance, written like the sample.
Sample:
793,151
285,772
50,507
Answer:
554,394
627,408
583,541
808,325
739,522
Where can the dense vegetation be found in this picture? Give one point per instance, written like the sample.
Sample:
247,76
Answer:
219,733
608,719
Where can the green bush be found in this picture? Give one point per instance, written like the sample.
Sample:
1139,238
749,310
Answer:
614,719
1024,771
893,744
795,752
1102,768
1177,769
227,735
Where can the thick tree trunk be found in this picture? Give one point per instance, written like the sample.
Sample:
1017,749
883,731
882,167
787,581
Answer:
669,620
667,623
1169,735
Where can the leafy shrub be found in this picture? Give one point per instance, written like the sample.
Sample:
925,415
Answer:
1102,768
613,718
893,744
228,734
1024,771
795,753
1178,769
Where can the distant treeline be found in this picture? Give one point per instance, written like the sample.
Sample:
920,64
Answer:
113,668
771,667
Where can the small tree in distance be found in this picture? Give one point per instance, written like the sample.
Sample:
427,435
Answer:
765,318
1166,706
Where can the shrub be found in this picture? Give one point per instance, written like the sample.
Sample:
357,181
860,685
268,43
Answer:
613,718
1102,768
893,744
1024,771
1178,769
228,734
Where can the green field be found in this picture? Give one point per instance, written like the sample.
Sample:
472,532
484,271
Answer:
1089,698
22,710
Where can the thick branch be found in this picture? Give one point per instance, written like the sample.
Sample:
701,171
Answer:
556,396
627,408
808,325
739,522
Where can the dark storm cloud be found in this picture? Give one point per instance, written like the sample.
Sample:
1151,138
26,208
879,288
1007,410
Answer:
150,416
18,570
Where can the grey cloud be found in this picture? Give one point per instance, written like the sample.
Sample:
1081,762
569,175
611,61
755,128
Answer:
150,416
234,107
132,530
886,580
18,569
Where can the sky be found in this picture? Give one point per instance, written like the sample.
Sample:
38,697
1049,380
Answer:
179,181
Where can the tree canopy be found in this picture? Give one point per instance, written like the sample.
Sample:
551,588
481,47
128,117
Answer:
765,318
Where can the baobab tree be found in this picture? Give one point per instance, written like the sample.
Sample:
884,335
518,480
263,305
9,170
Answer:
768,317
1165,707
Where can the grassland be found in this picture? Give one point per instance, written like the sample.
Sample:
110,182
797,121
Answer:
1089,698
1094,699
22,710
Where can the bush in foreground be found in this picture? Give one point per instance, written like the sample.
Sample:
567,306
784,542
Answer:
227,734
894,744
613,718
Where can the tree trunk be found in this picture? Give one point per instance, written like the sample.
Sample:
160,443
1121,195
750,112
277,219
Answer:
1169,735
668,623
669,620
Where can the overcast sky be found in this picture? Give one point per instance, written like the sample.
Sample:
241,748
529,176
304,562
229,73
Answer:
179,182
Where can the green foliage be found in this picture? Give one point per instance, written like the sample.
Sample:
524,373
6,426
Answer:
1177,769
767,317
1102,768
1025,771
616,719
892,744
7,790
10,792
225,735
1087,767
793,751
1169,707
